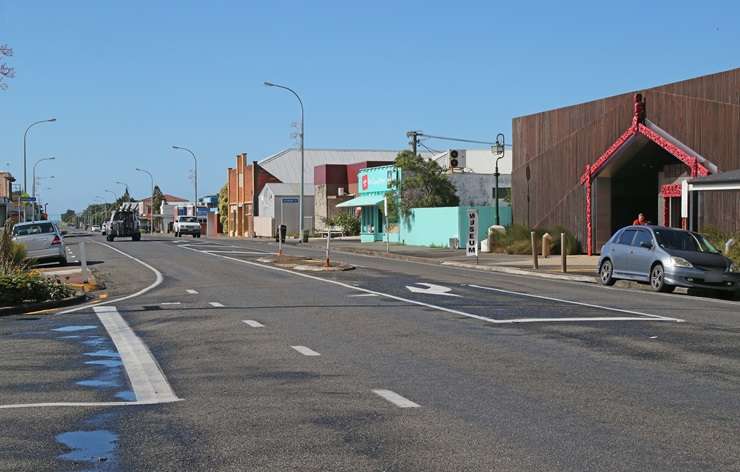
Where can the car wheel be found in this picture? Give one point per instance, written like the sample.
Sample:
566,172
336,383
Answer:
657,279
195,235
606,273
109,238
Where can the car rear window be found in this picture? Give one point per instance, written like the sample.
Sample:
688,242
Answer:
36,228
188,219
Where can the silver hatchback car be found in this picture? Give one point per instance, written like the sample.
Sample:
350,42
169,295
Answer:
43,241
666,258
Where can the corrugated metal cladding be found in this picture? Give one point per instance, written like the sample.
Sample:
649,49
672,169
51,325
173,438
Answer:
286,165
703,113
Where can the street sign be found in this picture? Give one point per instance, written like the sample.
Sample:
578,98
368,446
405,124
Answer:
471,247
28,199
290,200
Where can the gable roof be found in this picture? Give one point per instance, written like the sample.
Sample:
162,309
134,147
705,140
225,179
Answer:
166,197
288,189
285,165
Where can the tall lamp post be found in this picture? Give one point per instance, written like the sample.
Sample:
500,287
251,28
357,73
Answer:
195,176
300,210
25,138
33,184
151,207
500,151
125,186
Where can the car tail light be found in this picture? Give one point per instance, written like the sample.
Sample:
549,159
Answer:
56,241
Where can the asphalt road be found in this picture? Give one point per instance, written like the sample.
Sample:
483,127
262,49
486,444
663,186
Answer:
356,371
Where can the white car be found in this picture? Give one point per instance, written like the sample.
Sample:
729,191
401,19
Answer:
95,228
43,241
187,225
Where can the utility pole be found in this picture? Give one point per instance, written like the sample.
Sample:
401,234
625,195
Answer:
414,137
500,150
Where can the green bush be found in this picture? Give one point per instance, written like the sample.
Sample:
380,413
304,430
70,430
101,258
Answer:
346,221
12,255
517,240
719,238
30,287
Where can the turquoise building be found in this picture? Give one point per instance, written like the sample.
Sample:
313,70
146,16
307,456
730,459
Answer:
424,226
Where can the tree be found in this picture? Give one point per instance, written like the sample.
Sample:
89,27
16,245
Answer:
157,200
6,72
69,216
423,185
223,206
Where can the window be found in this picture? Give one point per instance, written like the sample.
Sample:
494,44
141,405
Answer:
627,236
39,228
683,241
642,237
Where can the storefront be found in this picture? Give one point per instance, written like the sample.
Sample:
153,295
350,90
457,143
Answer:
374,183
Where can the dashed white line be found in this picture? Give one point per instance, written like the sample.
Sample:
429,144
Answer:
216,304
305,351
253,324
395,398
363,295
191,291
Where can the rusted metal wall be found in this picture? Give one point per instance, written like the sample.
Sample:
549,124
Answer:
703,113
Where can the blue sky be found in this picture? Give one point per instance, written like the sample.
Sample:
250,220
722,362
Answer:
126,80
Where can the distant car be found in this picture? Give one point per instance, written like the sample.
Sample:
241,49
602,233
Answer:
666,258
104,227
43,241
187,225
95,228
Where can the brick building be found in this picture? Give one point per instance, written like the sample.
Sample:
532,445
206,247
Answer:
245,183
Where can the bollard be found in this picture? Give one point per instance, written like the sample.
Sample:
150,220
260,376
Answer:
328,238
533,240
83,262
563,254
546,243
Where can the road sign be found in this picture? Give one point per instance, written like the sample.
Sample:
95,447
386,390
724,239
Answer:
471,247
290,200
28,199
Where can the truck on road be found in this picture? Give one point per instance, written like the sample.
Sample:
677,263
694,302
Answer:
124,223
187,225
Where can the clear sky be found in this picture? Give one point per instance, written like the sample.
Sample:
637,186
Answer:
126,80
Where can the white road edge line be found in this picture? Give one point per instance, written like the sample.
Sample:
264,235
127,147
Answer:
571,302
395,398
253,324
158,280
305,351
191,291
392,297
216,304
147,380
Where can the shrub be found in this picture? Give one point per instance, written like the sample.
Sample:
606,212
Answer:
12,255
517,240
719,238
29,287
346,221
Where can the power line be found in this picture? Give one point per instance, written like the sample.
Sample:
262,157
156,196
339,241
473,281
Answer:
459,140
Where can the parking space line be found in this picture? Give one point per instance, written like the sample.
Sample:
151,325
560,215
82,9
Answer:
253,324
305,351
191,291
216,304
395,398
571,302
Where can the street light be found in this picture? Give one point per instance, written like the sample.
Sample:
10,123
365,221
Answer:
125,186
300,211
500,148
195,176
33,185
151,214
25,137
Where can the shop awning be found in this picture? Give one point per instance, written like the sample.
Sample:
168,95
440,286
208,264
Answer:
362,200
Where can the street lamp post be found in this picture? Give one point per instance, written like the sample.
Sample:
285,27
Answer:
500,150
300,210
33,184
125,186
151,207
195,176
25,137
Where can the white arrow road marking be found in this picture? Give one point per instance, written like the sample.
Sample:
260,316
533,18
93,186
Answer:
432,289
253,324
396,399
191,291
216,304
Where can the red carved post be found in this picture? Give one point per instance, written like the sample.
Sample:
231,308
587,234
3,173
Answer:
589,243
667,212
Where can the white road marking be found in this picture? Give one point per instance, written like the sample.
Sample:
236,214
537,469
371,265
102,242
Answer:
396,399
394,297
571,302
253,324
147,380
236,252
171,303
216,304
305,351
191,291
158,280
363,295
431,289
571,319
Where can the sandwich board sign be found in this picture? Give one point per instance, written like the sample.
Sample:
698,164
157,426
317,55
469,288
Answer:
471,248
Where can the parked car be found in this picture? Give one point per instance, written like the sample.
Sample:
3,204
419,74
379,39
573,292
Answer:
43,241
666,258
95,228
187,225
